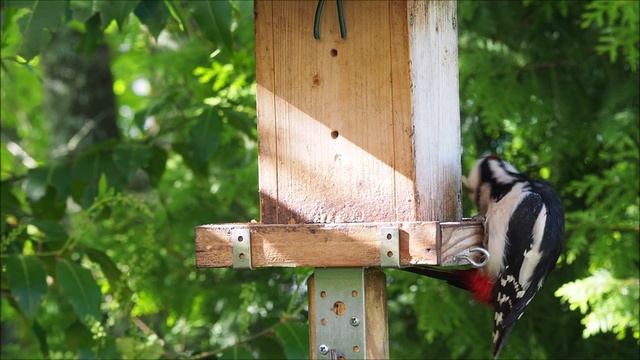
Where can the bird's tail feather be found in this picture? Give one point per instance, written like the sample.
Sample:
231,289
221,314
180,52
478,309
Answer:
452,277
499,339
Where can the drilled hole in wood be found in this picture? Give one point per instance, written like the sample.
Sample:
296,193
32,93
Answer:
334,52
335,134
428,249
323,321
389,253
389,236
323,293
240,238
341,357
356,348
241,256
354,293
339,308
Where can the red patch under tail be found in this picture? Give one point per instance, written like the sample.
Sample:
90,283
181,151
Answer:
480,285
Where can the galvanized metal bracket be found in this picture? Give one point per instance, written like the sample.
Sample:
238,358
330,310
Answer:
241,240
340,316
389,247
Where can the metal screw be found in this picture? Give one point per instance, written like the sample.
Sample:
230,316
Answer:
324,349
355,321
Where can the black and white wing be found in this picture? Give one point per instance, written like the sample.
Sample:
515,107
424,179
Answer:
534,242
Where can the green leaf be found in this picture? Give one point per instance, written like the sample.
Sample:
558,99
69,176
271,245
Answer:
295,339
131,348
41,335
268,348
49,207
108,267
92,36
117,10
27,281
77,336
103,186
37,28
237,352
52,230
108,349
82,10
35,185
81,290
214,18
9,203
153,14
130,157
86,176
156,165
205,135
60,178
57,176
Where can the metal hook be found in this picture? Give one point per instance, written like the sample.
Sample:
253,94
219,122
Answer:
341,21
466,255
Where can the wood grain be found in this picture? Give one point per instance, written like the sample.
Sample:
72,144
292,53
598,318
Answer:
458,236
333,115
358,129
376,314
265,107
433,53
404,150
354,134
311,318
334,245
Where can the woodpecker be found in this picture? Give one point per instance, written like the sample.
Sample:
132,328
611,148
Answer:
524,226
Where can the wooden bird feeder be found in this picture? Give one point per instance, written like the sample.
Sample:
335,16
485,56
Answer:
359,160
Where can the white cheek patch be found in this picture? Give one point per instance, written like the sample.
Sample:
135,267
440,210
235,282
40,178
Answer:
499,174
510,167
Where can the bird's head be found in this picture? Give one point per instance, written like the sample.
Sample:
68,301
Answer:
487,172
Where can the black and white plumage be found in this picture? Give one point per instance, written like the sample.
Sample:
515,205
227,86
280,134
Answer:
524,225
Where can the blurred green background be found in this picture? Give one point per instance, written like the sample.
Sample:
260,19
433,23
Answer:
127,123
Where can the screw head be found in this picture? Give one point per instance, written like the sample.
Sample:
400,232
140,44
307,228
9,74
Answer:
354,321
324,349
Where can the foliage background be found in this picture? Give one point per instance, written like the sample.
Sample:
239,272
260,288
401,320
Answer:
127,123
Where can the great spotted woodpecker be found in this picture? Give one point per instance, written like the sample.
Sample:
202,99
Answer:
524,225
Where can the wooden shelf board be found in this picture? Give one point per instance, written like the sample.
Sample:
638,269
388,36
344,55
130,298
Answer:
335,245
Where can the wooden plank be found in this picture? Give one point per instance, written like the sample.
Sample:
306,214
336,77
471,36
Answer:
332,245
313,339
327,108
404,152
265,107
433,46
458,236
376,313
333,110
